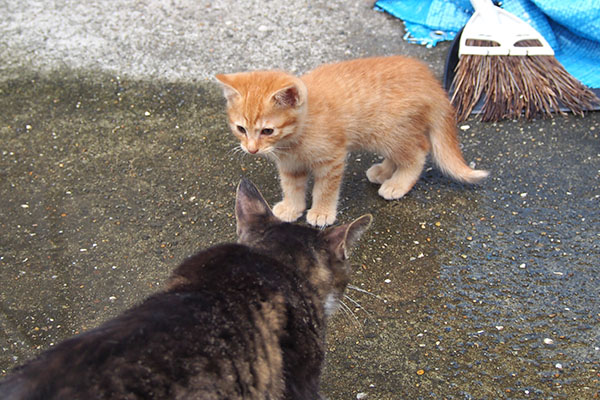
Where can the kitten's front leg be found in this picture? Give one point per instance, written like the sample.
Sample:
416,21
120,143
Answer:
293,184
328,178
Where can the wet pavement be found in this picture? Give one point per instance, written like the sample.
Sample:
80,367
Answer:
110,176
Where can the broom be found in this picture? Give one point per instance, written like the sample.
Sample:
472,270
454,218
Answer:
506,59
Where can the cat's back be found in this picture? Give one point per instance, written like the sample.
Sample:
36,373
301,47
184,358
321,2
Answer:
215,330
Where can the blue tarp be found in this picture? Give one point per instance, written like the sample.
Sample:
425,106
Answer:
572,28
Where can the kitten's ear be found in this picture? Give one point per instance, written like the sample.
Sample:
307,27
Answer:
250,208
229,91
342,238
291,96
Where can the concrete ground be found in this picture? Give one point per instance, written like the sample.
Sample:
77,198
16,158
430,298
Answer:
116,163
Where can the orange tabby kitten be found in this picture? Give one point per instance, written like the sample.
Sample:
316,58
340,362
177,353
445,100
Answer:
392,106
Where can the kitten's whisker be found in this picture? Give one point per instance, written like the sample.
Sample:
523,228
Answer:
274,155
238,151
365,291
280,150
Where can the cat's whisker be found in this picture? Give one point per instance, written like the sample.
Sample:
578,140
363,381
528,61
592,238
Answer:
349,313
359,306
365,292
345,313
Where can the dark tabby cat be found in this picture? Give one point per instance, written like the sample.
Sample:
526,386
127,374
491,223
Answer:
236,321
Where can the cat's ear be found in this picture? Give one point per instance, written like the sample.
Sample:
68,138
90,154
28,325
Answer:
229,91
291,96
250,208
342,238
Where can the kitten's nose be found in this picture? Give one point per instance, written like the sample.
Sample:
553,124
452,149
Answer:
252,146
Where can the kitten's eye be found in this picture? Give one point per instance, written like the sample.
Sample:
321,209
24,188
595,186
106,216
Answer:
266,131
241,129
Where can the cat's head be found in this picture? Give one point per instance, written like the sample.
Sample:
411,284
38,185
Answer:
265,108
320,255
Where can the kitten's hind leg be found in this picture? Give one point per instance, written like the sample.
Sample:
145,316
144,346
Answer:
381,172
403,179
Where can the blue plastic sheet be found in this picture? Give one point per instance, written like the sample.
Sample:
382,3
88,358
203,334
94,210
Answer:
429,22
572,28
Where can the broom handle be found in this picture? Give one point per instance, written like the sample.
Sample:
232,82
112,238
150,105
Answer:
480,5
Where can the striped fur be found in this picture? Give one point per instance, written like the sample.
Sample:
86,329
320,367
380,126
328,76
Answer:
235,321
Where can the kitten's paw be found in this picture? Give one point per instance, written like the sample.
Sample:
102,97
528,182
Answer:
286,213
320,218
393,190
378,173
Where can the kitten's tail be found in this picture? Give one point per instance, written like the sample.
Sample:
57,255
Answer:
446,150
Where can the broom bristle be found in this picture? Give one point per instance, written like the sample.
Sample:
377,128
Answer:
517,86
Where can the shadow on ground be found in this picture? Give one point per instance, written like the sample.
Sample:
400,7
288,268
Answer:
474,292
